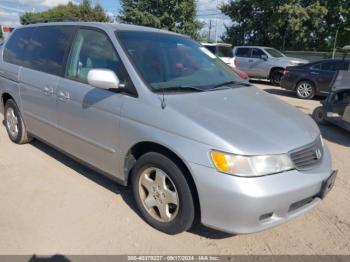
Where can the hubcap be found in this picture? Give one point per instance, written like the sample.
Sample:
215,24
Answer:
158,194
12,122
304,90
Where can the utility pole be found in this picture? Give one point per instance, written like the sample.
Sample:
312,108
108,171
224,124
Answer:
209,30
216,22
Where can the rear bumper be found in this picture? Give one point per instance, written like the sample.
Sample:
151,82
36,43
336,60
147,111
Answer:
286,84
246,205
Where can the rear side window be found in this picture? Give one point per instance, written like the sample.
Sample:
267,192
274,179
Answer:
48,48
243,52
211,48
333,66
17,47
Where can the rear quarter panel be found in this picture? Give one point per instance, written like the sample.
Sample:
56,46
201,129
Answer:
9,80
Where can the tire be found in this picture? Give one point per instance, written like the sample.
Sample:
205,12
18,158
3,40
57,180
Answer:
319,115
276,76
305,90
159,184
15,126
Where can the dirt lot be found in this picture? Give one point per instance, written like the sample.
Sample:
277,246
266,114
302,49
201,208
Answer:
50,204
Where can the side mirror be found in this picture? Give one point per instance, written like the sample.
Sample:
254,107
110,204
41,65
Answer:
264,57
103,78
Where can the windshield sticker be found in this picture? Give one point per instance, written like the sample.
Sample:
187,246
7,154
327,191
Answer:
207,52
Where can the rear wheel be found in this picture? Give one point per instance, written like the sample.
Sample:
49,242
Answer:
162,193
319,115
276,76
14,124
305,90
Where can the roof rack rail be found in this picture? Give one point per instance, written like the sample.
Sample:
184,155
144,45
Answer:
63,19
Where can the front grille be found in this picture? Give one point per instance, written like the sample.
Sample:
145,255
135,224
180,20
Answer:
308,156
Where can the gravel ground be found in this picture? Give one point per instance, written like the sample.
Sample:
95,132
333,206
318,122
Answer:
49,204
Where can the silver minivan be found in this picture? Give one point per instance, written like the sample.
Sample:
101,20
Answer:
159,112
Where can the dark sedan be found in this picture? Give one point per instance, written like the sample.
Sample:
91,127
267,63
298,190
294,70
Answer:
312,79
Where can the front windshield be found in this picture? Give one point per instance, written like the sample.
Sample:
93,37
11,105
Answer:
225,51
168,61
274,52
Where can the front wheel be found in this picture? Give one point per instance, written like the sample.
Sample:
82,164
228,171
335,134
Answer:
162,193
276,77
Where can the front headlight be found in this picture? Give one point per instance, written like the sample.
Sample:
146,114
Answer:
250,166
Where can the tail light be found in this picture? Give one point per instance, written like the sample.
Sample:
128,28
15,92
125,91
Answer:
6,29
285,72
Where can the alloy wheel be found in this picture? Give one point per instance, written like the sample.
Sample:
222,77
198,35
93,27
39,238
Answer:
12,122
158,194
305,90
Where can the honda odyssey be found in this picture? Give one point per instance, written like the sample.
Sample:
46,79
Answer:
157,111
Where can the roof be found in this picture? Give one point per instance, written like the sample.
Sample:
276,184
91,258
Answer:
216,44
108,26
253,46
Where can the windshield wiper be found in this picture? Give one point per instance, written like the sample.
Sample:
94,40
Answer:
180,89
228,83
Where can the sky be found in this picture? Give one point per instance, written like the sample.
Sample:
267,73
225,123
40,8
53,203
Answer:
10,10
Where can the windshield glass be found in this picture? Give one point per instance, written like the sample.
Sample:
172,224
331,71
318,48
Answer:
225,51
175,62
274,52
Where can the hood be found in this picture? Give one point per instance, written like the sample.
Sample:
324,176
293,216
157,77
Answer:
292,60
341,81
245,120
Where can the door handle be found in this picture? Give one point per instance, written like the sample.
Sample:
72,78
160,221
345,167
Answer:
63,96
315,73
48,91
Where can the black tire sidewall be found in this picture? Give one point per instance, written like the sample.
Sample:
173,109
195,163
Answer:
186,213
11,104
274,74
315,114
312,93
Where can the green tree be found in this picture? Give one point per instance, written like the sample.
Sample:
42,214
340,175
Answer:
287,24
1,36
173,15
82,12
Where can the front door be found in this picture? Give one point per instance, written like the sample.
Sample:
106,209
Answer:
88,117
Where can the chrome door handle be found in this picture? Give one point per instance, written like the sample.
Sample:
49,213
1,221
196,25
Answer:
48,91
63,96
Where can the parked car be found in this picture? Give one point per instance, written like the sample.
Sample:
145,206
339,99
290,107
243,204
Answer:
224,52
264,62
157,111
312,79
336,108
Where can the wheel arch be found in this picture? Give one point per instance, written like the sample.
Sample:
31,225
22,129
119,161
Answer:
141,148
275,68
4,98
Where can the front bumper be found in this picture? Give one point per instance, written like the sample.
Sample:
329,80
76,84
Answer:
245,205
